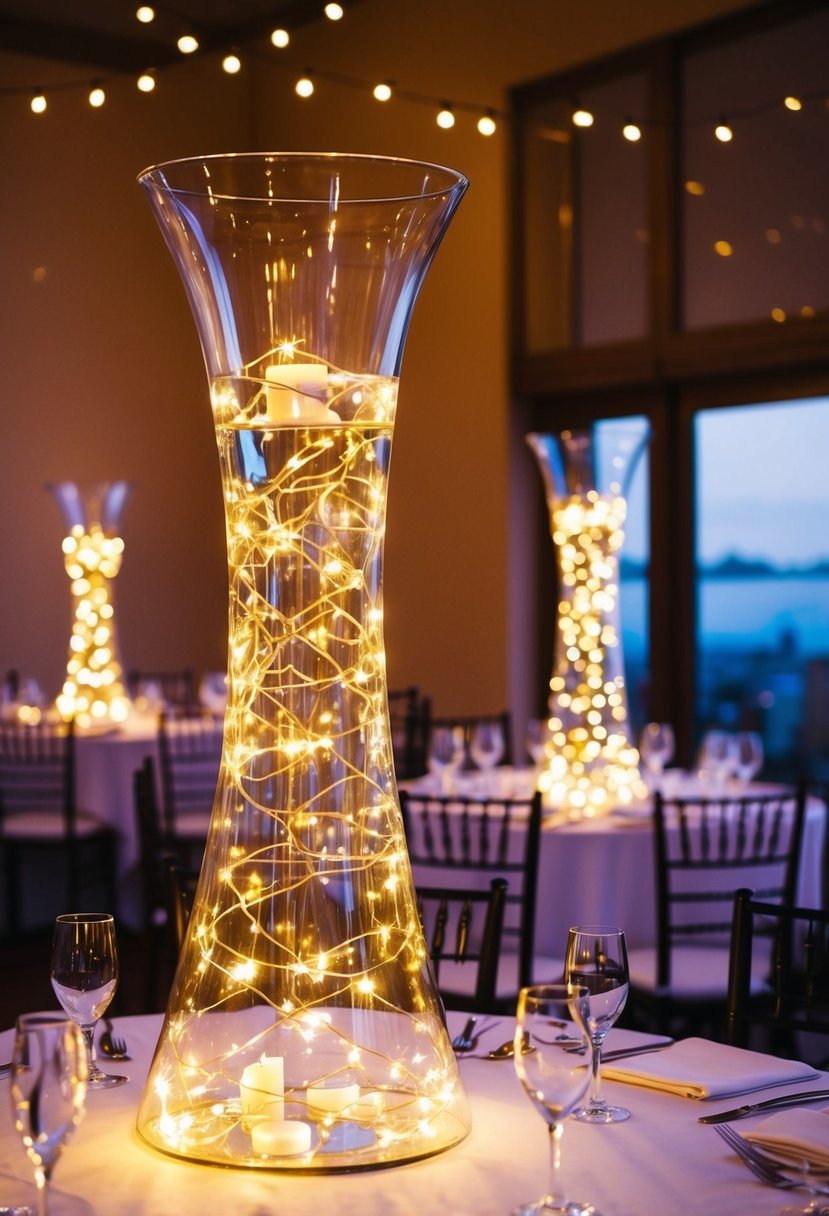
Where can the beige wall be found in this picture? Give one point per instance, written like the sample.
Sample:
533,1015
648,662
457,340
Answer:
102,376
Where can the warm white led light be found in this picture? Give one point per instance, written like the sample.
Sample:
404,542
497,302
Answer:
723,132
445,118
304,87
145,14
582,118
38,103
146,82
632,132
232,64
382,91
334,12
187,44
486,124
280,38
793,103
97,97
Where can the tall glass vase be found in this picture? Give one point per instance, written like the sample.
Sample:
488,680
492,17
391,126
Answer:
93,691
304,1029
591,765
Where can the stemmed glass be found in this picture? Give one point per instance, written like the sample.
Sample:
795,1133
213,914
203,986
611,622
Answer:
536,739
597,960
85,976
487,745
717,757
446,751
656,748
48,1085
748,753
550,1018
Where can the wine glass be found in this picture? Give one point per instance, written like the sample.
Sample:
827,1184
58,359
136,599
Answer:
536,738
446,753
748,751
656,747
596,959
85,976
487,745
550,1019
717,757
48,1086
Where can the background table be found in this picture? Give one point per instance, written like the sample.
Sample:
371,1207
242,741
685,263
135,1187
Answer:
659,1161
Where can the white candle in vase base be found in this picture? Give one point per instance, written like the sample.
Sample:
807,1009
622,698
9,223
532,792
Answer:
331,1099
298,393
281,1138
262,1090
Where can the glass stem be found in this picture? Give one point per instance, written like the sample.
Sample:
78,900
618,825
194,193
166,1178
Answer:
555,1198
89,1039
596,1099
42,1181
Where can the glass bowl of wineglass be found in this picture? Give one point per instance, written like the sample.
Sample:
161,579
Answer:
596,959
656,749
550,1019
486,747
748,751
446,754
85,976
48,1087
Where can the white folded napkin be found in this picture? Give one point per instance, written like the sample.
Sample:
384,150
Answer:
700,1068
795,1136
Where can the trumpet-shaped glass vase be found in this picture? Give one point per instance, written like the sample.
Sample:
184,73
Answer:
93,690
590,765
304,1030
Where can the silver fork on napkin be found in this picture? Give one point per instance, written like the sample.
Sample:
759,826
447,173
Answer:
766,1168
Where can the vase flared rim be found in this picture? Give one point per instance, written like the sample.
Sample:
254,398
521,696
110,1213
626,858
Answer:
452,179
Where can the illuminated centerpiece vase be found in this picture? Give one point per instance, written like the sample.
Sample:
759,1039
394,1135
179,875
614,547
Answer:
93,692
304,1030
590,765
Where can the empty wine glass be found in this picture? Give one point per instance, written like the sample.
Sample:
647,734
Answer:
656,748
748,750
446,753
597,960
48,1085
85,976
550,1018
717,757
536,739
487,745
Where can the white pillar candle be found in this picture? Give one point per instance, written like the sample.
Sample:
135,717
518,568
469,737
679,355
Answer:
298,392
263,1089
281,1138
331,1099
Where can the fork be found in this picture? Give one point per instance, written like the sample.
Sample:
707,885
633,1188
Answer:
762,1166
466,1040
112,1046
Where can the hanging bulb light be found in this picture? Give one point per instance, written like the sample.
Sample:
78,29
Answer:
486,123
582,117
723,132
304,87
38,102
382,91
232,64
792,103
445,118
187,44
334,12
632,132
97,97
146,82
145,14
280,38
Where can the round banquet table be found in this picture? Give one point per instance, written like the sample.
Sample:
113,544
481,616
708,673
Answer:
660,1161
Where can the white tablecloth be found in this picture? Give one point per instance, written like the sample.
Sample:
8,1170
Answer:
661,1161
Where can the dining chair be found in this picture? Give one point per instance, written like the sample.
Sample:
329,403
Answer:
180,891
408,731
705,848
189,751
461,842
793,1003
177,686
40,818
463,930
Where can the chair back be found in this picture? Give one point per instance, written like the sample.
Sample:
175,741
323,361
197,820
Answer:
706,848
463,928
190,751
797,997
462,841
407,718
181,883
177,687
37,770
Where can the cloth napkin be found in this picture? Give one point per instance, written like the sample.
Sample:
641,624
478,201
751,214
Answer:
700,1068
795,1136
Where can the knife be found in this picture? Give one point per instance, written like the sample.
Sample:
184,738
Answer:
620,1053
739,1112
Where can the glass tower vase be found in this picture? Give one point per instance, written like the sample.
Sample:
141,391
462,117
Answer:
304,1030
590,765
93,691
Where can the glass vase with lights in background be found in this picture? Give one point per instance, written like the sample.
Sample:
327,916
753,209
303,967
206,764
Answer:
304,1029
590,764
93,692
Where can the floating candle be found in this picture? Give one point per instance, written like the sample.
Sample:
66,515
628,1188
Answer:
298,392
263,1089
281,1138
331,1099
